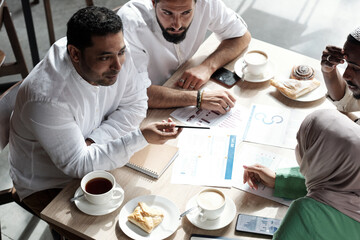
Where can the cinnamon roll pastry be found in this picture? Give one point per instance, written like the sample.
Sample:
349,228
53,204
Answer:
302,72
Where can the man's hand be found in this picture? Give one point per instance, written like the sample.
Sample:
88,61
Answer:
259,174
194,78
160,132
331,57
219,100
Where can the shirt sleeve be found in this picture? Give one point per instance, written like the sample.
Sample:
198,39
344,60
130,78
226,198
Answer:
130,111
289,183
54,127
347,104
222,16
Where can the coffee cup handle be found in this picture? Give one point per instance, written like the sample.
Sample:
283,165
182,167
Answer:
202,216
118,193
243,67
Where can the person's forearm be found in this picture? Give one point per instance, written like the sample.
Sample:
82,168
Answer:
227,51
289,183
334,84
164,97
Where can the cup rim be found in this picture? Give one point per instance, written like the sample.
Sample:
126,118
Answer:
211,190
257,51
83,184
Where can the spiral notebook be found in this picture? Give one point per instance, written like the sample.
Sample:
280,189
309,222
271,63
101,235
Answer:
154,159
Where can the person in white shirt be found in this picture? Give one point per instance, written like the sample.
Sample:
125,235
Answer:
79,110
343,91
163,34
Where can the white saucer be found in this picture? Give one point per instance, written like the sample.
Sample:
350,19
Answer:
225,219
167,227
96,210
314,95
267,75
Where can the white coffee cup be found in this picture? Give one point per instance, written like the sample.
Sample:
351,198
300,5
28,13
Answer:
99,187
211,203
255,62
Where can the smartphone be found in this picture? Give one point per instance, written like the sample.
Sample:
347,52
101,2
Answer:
256,224
225,77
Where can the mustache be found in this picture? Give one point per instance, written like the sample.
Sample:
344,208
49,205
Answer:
173,29
351,84
111,73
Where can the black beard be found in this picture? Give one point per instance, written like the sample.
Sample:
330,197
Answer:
174,38
356,96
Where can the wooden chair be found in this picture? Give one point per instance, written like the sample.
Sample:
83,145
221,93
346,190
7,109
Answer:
19,66
7,103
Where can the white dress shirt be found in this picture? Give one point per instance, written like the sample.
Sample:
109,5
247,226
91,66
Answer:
56,110
154,55
348,103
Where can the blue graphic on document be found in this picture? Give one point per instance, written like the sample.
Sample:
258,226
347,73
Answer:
276,119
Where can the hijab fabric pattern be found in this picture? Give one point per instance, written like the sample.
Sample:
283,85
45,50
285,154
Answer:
329,151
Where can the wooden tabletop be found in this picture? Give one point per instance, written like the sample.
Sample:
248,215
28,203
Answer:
66,215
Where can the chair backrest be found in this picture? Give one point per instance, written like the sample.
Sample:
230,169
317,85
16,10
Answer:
19,66
7,103
2,3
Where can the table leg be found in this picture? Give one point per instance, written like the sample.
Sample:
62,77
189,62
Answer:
30,31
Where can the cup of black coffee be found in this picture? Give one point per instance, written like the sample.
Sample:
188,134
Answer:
99,187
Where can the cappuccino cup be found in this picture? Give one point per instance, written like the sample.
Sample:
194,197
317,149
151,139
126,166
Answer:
255,62
211,203
99,187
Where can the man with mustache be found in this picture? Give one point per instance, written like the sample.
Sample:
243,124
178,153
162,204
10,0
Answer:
79,110
164,34
343,91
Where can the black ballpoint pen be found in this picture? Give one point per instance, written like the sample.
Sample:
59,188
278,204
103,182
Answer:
186,126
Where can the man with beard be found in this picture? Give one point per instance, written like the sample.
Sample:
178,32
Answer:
79,110
164,34
343,91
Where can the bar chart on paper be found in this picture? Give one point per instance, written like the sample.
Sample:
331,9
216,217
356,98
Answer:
206,157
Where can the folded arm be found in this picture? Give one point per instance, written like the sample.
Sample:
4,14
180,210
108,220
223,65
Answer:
164,97
227,51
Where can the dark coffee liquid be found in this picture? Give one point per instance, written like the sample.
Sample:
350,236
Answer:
98,186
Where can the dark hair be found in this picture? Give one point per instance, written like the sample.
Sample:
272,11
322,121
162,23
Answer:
90,21
353,40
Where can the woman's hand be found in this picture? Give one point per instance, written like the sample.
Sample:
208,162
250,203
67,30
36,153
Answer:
259,174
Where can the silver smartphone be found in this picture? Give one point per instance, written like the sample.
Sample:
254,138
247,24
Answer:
256,224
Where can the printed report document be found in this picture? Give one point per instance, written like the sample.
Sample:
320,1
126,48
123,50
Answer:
206,157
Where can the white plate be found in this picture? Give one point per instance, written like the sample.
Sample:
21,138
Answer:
314,95
267,75
225,219
167,227
96,210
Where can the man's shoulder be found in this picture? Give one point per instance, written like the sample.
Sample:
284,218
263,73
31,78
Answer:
48,78
136,14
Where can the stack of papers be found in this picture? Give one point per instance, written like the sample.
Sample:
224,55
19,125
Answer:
209,157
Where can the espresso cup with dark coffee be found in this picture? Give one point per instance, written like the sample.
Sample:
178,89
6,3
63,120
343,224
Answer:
211,203
99,187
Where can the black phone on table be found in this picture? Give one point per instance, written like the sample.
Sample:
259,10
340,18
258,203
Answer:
225,77
256,224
